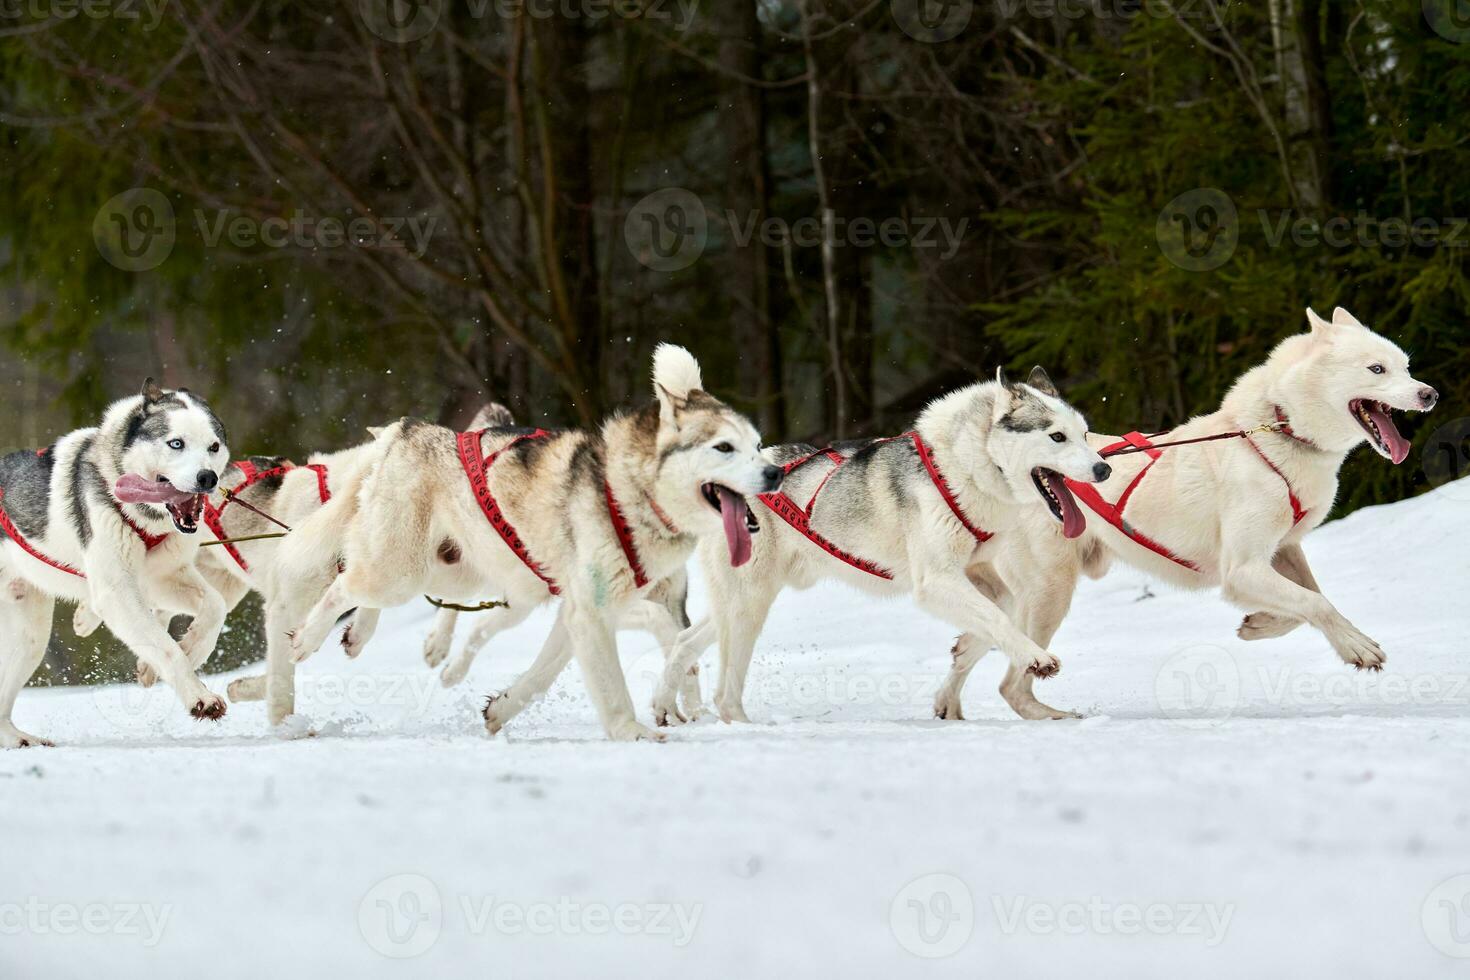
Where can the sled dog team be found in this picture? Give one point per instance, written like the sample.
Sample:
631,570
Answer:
986,513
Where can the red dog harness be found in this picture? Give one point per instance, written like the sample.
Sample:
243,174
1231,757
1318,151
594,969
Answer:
150,541
800,517
476,466
1135,442
213,514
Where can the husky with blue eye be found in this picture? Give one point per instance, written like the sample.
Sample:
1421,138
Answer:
109,516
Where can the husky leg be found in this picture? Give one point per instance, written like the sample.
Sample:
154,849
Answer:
360,629
203,633
335,603
441,637
594,644
280,668
950,597
25,626
492,622
738,629
243,689
1290,561
679,664
1042,610
117,596
968,647
1254,584
84,621
550,662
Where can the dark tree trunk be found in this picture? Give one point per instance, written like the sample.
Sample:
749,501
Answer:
747,271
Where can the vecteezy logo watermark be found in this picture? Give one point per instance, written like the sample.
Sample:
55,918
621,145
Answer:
840,232
667,230
1199,684
404,21
932,21
933,916
1206,920
1199,229
1450,19
140,919
1362,229
300,230
135,230
1446,457
401,21
403,916
148,13
1445,916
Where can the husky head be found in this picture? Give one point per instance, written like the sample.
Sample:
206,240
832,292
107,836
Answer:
709,455
173,453
1342,384
1038,441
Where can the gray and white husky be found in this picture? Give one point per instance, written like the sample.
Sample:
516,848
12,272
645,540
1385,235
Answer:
1232,513
292,494
1003,450
108,516
669,475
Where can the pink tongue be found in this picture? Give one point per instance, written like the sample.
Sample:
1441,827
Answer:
1073,523
737,535
1398,446
133,489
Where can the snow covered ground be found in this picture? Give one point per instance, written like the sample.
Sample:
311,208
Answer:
1224,809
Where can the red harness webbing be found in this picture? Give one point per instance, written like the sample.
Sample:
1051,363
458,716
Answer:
800,517
475,466
150,541
213,516
1113,513
625,536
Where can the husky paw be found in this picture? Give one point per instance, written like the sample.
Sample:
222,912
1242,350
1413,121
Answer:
246,689
13,738
666,712
211,708
352,641
1034,710
455,671
1044,665
298,646
1361,651
436,648
147,676
947,706
632,731
731,712
84,621
1265,626
493,715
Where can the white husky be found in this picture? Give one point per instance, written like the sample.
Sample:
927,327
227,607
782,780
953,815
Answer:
108,516
598,518
1233,512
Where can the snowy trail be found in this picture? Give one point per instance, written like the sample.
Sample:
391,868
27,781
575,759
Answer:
1225,809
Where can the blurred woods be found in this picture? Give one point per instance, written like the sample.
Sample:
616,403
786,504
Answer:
999,196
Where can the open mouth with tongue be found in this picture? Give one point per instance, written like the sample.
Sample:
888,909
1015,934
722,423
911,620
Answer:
740,523
1053,490
1376,418
184,508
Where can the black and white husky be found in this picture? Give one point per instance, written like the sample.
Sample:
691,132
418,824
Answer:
970,514
108,516
599,518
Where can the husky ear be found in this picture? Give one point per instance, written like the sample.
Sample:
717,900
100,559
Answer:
1321,329
375,430
1041,382
1342,318
675,377
1000,377
152,394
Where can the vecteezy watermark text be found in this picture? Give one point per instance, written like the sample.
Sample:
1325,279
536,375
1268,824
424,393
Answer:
403,915
1207,921
141,919
148,14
